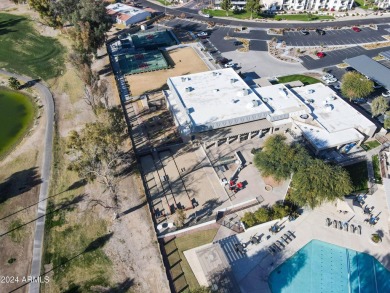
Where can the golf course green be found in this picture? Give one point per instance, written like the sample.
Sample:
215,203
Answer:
23,50
16,116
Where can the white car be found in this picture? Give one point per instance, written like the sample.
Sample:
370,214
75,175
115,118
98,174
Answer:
206,15
386,94
331,80
337,86
202,34
327,76
230,64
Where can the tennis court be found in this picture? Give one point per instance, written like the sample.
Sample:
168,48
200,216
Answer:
132,63
153,40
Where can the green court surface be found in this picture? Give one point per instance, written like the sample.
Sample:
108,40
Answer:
142,62
153,40
25,51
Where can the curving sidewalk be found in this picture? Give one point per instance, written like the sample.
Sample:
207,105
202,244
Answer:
45,177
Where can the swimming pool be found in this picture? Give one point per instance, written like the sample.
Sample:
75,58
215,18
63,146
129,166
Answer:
323,267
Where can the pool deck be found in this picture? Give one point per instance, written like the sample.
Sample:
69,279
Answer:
251,270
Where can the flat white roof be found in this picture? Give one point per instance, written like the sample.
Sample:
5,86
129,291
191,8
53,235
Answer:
214,99
281,100
322,139
331,111
124,9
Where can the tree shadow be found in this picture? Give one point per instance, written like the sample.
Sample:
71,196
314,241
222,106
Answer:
120,287
30,83
132,209
106,70
19,183
93,246
6,25
207,209
75,185
66,205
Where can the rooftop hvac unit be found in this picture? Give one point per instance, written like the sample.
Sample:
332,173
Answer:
215,73
188,89
183,79
282,92
215,90
310,91
232,80
328,107
242,92
265,100
255,103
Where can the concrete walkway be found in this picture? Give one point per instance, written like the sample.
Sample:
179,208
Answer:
45,177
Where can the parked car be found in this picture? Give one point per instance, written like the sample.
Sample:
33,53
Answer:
320,32
230,64
349,69
356,29
386,94
202,34
207,15
237,43
327,76
304,32
320,54
337,86
349,147
331,80
360,101
376,86
222,60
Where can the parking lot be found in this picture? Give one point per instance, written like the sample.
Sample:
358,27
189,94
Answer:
338,56
337,37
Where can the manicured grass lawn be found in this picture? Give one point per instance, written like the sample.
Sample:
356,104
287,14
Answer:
246,15
302,17
370,145
182,244
359,176
306,80
377,171
24,50
361,4
239,15
163,2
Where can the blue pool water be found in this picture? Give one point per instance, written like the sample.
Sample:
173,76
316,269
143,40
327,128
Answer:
320,267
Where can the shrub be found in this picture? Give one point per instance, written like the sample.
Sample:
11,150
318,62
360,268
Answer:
249,219
11,260
263,215
280,211
376,238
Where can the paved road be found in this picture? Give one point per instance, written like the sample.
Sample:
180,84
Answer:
45,177
192,12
